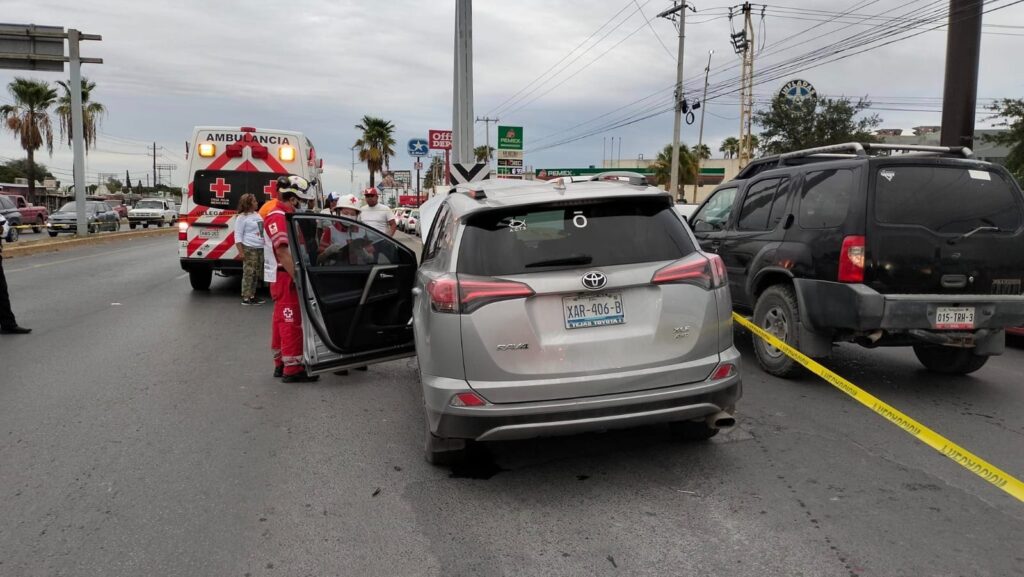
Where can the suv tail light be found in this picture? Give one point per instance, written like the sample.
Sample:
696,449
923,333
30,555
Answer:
851,260
182,230
706,271
449,294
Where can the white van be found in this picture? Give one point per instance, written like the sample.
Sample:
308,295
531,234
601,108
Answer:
224,164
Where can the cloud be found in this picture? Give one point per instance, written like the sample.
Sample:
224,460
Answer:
320,65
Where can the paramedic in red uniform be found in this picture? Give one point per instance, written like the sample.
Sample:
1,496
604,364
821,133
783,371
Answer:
279,271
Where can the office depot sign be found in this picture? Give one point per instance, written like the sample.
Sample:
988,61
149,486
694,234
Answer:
440,139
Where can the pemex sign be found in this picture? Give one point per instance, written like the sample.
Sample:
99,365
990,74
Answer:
510,138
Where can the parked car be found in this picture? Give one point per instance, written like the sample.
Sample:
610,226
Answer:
412,222
115,203
99,217
13,216
401,214
31,214
538,309
834,244
155,211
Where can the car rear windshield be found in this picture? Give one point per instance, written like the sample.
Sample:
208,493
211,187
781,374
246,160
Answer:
224,188
149,204
945,199
572,234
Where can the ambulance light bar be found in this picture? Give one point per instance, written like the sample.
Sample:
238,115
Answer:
207,149
286,153
247,129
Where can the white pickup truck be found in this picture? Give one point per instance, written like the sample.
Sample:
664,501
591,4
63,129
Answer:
155,211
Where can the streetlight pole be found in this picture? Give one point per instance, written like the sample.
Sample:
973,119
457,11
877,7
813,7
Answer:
352,172
700,139
680,8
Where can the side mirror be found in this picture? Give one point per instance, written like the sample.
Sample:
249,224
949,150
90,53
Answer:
701,225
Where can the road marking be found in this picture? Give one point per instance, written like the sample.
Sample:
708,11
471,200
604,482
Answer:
949,449
67,260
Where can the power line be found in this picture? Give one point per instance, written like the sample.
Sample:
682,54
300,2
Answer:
653,31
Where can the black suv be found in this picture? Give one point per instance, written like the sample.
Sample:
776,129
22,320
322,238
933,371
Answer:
912,245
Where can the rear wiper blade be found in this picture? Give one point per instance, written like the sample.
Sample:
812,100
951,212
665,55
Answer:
580,259
978,229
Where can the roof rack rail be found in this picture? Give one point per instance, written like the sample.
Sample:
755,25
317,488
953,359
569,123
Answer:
634,178
862,148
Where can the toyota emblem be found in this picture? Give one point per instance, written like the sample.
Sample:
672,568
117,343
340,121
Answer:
594,280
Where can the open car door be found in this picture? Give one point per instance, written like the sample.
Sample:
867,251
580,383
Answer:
355,285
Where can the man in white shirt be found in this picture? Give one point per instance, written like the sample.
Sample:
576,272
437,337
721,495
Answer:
377,215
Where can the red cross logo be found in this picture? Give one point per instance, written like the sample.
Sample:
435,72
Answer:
220,188
271,188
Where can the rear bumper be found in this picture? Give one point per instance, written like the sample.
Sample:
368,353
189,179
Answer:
570,416
828,306
190,264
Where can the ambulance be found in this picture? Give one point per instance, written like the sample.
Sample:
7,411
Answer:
224,164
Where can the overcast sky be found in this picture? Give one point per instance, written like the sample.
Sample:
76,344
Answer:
318,66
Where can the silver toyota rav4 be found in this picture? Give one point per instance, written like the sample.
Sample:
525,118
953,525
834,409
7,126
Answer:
538,308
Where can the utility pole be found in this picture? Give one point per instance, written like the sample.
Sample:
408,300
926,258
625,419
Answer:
960,94
700,138
462,94
743,43
487,130
154,165
352,172
680,9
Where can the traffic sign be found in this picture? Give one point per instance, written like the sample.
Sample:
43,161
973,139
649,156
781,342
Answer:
440,139
417,165
510,137
466,173
418,147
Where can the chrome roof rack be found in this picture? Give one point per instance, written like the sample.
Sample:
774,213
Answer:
634,178
862,148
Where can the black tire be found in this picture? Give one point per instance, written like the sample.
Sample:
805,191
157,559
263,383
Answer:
776,311
949,360
442,452
38,226
94,228
13,235
692,430
145,225
200,279
52,234
131,225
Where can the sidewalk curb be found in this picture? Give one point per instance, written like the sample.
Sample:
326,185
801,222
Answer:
14,251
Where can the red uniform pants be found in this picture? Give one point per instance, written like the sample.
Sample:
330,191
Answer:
286,330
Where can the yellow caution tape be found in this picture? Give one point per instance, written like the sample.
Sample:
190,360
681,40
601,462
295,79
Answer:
948,448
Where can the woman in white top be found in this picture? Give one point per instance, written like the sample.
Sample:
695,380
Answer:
249,241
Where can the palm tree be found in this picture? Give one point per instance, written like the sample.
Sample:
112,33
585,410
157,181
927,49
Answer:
29,119
662,166
376,144
92,113
702,151
754,144
483,153
730,146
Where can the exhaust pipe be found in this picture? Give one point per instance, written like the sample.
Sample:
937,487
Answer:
720,420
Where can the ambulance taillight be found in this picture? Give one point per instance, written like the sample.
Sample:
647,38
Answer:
182,230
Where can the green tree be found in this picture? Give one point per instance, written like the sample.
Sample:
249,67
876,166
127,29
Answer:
662,165
435,173
376,144
808,123
114,185
18,168
29,119
730,147
92,113
483,153
1010,113
702,151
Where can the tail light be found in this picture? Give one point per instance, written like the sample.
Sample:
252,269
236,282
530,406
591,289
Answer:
851,260
706,271
467,400
182,230
724,371
466,294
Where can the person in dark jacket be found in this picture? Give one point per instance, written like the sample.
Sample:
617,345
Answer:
8,324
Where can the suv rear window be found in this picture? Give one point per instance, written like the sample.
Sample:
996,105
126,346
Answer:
945,199
224,188
826,198
572,234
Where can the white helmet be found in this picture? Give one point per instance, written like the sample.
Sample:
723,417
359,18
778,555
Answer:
349,201
296,185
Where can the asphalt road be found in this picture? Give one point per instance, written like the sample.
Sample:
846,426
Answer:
141,433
